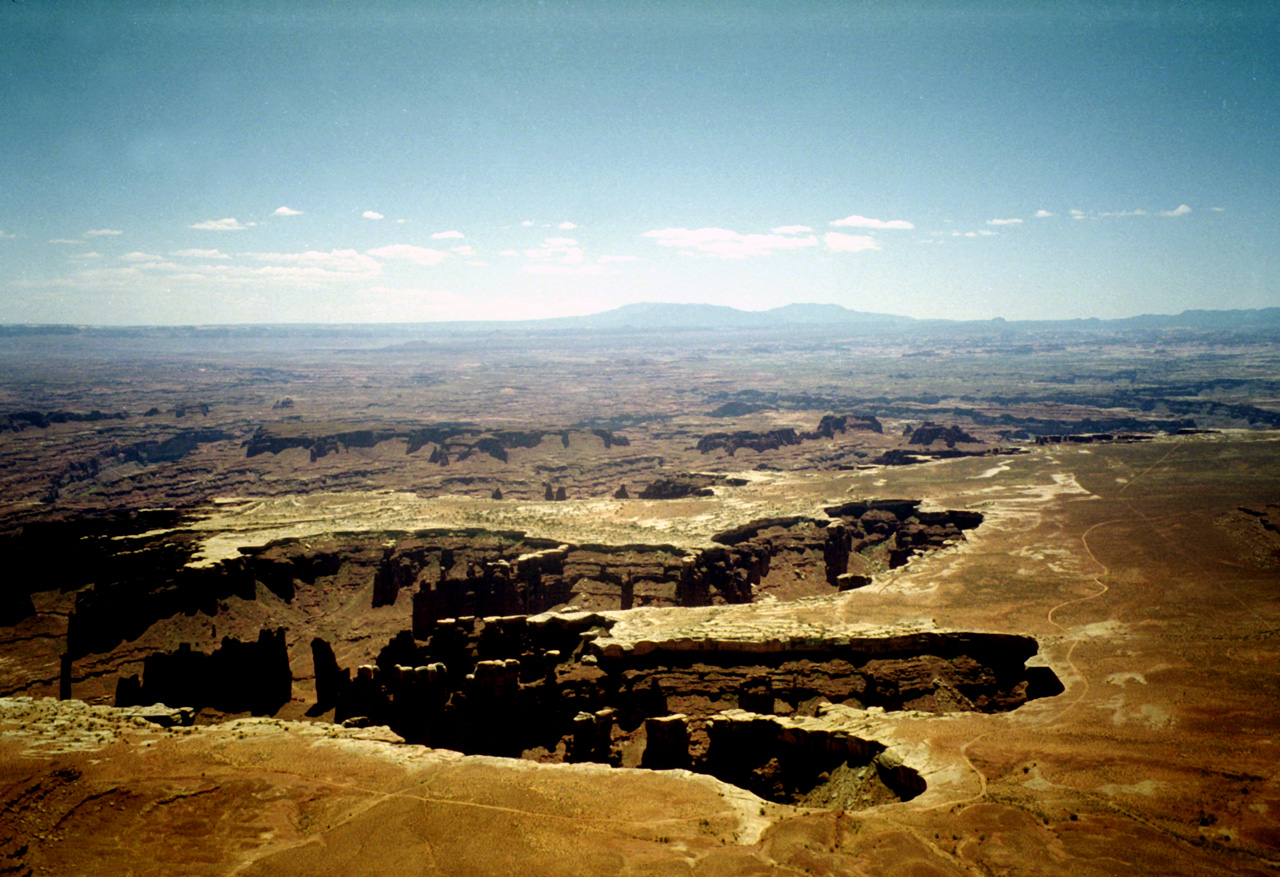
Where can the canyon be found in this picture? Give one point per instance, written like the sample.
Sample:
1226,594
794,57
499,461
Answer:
707,602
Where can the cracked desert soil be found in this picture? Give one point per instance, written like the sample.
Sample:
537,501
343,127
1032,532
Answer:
1122,560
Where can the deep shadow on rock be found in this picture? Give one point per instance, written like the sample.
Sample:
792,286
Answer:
554,688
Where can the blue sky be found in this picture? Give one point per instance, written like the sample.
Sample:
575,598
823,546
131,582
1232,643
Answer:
229,162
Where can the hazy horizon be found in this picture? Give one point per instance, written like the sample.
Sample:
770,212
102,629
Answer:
669,311
262,162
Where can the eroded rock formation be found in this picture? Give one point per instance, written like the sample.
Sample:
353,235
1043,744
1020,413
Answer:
730,442
1090,438
236,677
118,589
454,441
685,485
734,709
928,433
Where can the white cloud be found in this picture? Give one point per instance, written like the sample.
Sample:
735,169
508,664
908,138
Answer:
335,261
282,271
301,269
93,255
371,214
1004,222
152,263
285,211
1043,214
561,268
560,256
199,254
447,235
838,242
603,260
1137,211
567,226
980,233
464,250
1217,209
65,241
408,252
565,253
528,223
509,253
5,234
102,232
866,222
722,243
792,229
228,224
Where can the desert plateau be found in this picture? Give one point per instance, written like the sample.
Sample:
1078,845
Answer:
568,599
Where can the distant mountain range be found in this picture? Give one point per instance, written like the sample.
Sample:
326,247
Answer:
649,315
653,316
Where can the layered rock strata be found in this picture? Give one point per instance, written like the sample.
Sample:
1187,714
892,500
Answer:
555,687
123,586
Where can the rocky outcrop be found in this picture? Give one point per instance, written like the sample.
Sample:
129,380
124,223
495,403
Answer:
735,709
687,485
159,714
483,575
610,439
899,528
731,442
928,671
331,680
831,424
1090,438
236,677
143,453
666,742
1267,516
17,421
461,573
678,487
899,457
118,589
928,433
737,409
910,457
447,441
86,550
821,550
792,762
828,426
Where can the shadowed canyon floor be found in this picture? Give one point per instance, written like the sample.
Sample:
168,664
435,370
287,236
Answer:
1038,658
